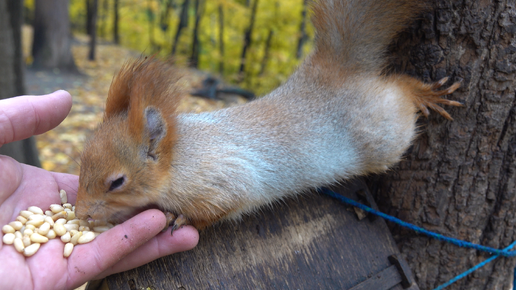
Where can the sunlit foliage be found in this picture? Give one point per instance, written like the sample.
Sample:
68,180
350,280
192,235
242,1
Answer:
144,27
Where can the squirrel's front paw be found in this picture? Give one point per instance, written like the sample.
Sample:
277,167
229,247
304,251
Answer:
176,221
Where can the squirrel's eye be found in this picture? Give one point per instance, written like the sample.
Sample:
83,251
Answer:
116,183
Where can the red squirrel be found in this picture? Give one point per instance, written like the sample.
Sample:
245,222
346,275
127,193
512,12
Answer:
338,116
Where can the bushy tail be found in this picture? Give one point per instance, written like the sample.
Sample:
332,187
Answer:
356,33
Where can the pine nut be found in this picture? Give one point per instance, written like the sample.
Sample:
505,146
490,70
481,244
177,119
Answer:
70,227
31,250
59,215
56,208
86,238
37,238
71,215
36,222
59,229
33,226
7,229
63,196
68,248
21,219
26,240
8,238
49,220
35,209
66,237
44,228
18,245
51,234
16,225
28,232
75,238
26,214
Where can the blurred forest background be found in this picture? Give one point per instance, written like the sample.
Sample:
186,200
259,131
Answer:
230,51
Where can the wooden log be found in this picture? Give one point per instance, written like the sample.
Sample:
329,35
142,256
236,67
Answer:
311,242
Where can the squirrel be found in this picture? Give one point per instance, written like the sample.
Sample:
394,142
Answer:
339,115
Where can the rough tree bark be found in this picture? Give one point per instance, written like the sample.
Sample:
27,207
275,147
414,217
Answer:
459,177
51,46
11,70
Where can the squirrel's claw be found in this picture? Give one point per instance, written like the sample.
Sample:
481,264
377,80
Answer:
174,221
428,96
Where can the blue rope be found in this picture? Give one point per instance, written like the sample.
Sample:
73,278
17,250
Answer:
497,252
417,229
473,269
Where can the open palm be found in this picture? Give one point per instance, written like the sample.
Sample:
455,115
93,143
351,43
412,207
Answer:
128,245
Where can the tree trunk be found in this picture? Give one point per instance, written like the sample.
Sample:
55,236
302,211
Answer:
266,53
116,32
183,23
302,32
102,17
165,15
151,16
89,15
459,178
51,46
11,70
221,39
247,39
194,58
93,28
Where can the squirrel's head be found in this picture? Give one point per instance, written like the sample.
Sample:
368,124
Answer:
125,164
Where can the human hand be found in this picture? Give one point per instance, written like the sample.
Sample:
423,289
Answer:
126,246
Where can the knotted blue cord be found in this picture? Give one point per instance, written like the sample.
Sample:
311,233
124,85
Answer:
497,252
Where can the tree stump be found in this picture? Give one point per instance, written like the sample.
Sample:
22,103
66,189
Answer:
311,242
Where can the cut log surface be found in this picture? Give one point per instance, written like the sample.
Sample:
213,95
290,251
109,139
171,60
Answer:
311,242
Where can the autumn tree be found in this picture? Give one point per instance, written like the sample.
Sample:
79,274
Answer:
303,37
92,7
459,178
51,46
194,58
183,23
11,70
116,20
247,37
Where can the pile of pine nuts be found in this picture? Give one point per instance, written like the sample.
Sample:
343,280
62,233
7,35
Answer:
34,227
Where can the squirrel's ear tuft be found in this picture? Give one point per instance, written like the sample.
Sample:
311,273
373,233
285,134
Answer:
155,127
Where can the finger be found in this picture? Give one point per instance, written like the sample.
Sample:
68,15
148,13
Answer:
164,244
22,117
11,174
89,260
